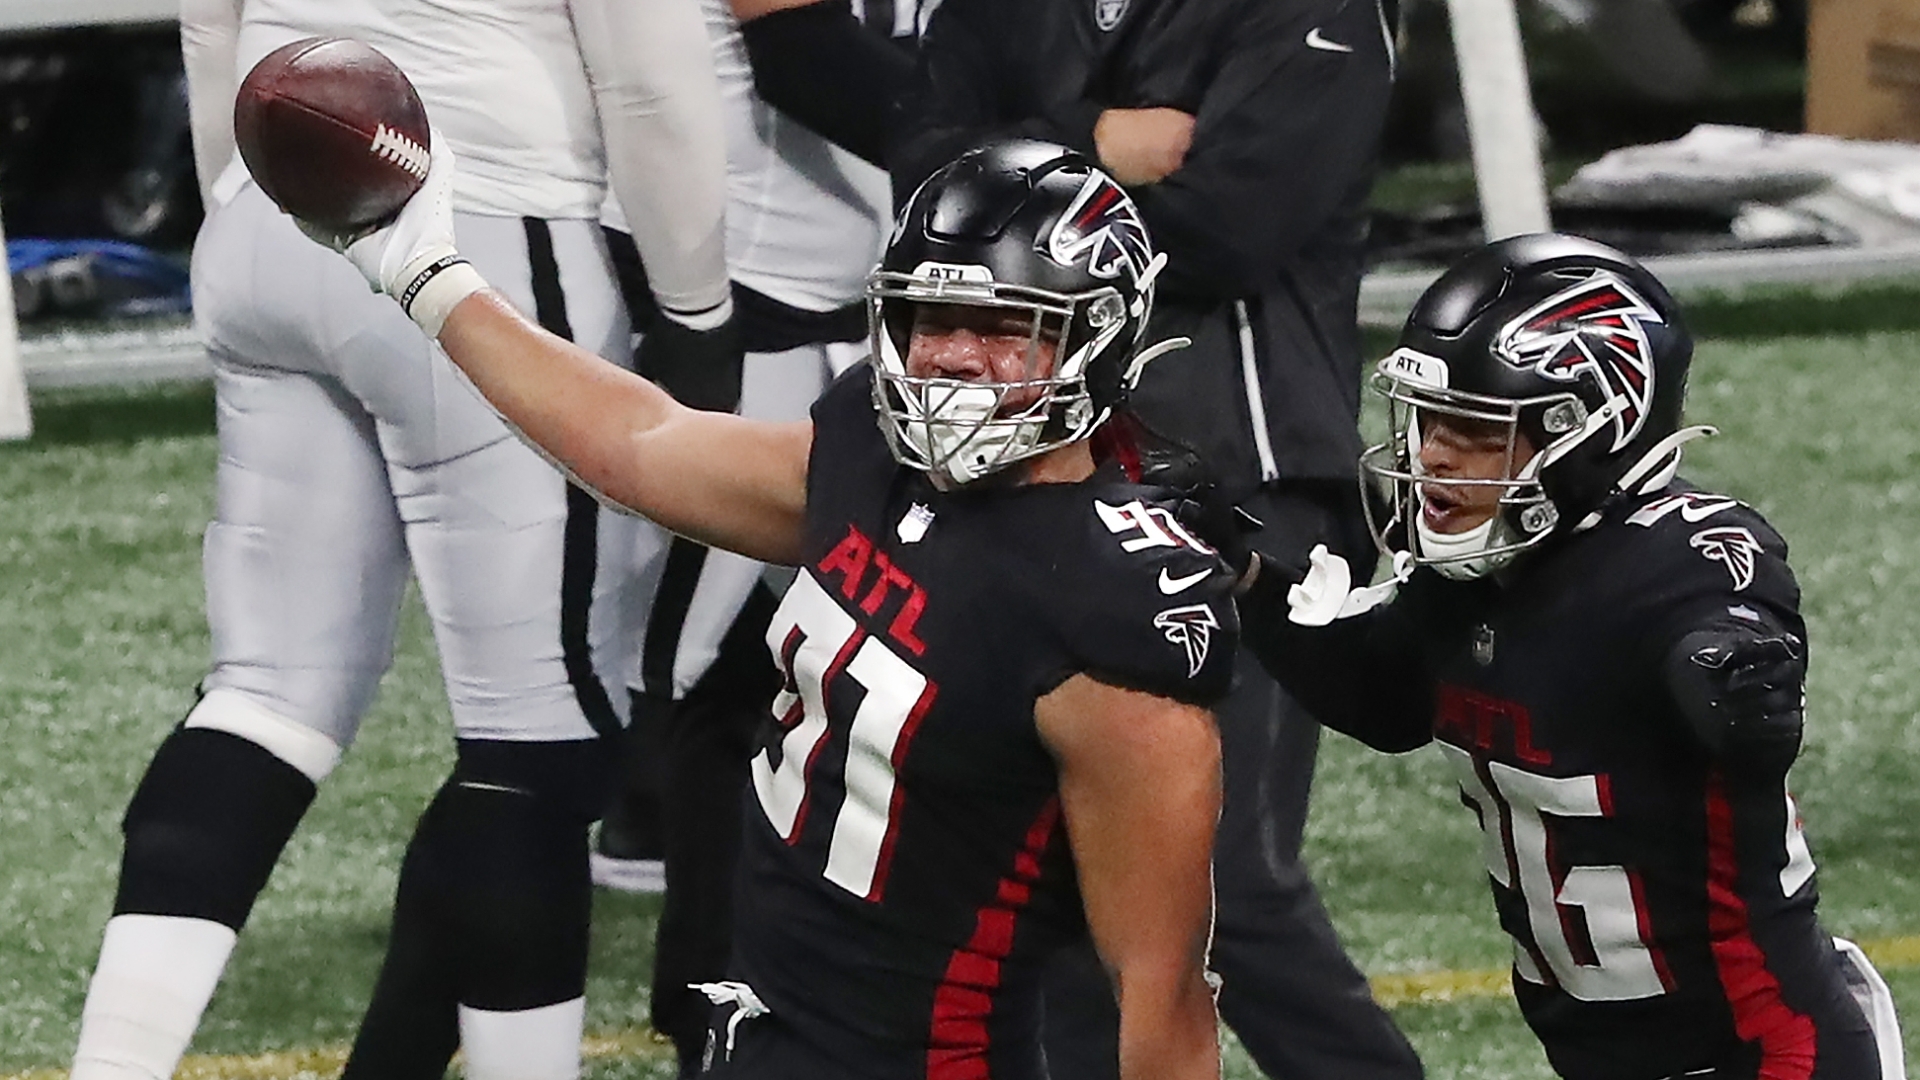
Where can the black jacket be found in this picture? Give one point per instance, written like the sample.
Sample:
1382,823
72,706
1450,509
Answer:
1263,224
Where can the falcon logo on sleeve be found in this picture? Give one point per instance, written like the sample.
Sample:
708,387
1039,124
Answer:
1732,546
1102,229
1591,330
1191,626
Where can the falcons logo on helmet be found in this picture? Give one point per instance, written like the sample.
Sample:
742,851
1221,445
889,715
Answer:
1594,329
1103,228
1731,546
1191,626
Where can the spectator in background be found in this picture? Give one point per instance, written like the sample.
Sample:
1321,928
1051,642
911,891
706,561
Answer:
1247,132
805,223
350,453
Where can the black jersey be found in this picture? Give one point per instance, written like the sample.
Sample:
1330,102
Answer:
906,870
1660,896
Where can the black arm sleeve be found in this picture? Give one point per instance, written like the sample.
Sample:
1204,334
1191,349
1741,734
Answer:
1362,676
1284,139
817,64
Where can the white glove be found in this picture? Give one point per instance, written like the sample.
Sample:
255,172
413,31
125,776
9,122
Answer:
412,258
1327,592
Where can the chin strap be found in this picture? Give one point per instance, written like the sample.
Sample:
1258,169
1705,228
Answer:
1655,460
1143,287
1149,354
1654,470
1142,298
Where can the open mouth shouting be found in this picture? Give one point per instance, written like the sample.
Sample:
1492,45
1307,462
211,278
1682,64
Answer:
1450,508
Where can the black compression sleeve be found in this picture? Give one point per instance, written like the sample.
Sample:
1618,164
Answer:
1362,676
817,64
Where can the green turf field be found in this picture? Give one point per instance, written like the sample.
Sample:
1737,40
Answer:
99,524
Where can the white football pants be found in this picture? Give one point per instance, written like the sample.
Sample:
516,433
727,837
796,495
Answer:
685,596
352,450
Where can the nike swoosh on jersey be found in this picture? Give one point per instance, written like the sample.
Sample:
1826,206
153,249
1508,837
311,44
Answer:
1317,40
1701,511
1170,584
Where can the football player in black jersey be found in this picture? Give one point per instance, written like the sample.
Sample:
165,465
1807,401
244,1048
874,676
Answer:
994,736
1611,660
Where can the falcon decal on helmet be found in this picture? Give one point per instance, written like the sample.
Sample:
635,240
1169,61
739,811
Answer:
1102,228
1592,329
1731,546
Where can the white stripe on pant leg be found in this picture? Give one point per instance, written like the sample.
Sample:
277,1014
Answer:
1870,992
1256,401
154,979
778,386
528,1044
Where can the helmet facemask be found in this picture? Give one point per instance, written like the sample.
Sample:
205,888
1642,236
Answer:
1523,514
959,430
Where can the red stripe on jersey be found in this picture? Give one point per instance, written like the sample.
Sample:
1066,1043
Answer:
1643,916
957,1043
1786,1037
1115,441
892,838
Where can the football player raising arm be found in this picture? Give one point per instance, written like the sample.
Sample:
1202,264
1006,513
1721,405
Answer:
999,654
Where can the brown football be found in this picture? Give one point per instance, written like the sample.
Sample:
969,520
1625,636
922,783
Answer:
333,132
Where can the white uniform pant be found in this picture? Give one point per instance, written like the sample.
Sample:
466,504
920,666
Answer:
351,449
688,595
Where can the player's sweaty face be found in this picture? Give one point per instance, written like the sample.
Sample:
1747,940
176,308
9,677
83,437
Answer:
981,344
1458,448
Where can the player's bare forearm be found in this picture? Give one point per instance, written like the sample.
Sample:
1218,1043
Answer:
1140,790
725,481
1170,1031
1143,146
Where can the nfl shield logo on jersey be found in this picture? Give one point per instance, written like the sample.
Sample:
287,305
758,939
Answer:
1108,13
1191,626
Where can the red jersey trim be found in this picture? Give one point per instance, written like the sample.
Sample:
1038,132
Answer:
1786,1038
884,865
1115,441
957,1042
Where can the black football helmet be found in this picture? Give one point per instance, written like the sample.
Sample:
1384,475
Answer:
1565,341
1030,227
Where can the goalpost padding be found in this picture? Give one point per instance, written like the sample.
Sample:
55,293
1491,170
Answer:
16,420
1500,118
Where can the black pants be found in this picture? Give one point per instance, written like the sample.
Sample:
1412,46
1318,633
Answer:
706,741
1288,990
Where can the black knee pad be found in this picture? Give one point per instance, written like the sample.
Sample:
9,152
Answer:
206,826
504,848
573,778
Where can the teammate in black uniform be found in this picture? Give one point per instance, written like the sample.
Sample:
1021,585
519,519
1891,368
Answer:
994,737
1611,659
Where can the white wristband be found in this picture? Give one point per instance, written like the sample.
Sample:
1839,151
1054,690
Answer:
435,286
